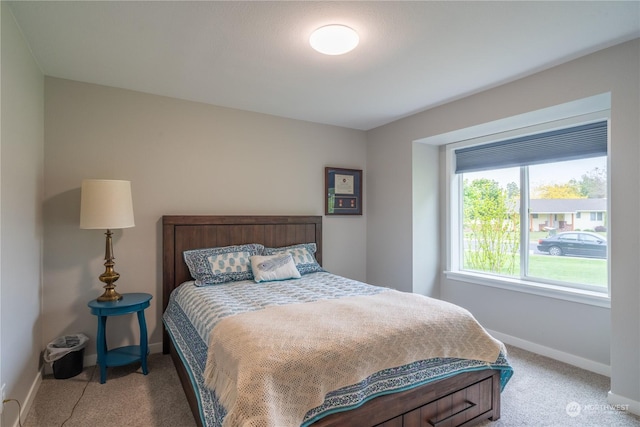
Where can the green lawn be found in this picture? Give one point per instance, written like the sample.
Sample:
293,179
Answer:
588,271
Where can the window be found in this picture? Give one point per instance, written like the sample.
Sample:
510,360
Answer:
517,205
568,237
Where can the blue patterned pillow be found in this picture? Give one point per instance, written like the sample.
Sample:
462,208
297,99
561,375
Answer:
213,266
302,254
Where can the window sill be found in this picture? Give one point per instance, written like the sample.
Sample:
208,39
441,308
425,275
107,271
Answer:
546,290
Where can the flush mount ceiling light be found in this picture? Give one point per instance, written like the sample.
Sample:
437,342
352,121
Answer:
334,39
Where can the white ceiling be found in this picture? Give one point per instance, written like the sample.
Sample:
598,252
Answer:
255,56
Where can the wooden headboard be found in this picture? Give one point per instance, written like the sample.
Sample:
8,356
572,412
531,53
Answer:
183,232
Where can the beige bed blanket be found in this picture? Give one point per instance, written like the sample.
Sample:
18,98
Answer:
270,367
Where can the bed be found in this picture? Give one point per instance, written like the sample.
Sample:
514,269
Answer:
461,394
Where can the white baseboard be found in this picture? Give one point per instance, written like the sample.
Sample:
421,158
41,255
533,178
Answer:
25,406
624,403
571,359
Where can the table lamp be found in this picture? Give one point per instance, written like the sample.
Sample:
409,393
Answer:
106,204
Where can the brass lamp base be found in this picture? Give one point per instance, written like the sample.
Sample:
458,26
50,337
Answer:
109,294
109,276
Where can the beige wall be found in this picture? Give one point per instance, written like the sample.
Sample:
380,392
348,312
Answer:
182,158
592,334
21,187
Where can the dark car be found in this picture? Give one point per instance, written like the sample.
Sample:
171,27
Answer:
578,243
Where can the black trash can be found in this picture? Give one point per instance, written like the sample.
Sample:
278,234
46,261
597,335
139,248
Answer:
69,365
66,355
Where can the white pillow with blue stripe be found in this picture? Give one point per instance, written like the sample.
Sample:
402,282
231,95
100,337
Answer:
302,254
273,267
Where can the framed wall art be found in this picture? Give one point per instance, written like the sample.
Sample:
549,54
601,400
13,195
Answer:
343,191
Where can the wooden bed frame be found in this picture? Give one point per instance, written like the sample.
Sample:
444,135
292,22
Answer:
461,400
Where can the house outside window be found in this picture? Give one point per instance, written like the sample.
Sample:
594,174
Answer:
542,215
507,195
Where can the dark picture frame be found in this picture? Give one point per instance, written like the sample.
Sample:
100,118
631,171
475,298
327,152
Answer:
343,191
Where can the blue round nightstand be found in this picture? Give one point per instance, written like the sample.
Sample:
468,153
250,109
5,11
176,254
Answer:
130,303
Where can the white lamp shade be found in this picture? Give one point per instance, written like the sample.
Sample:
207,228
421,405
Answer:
106,204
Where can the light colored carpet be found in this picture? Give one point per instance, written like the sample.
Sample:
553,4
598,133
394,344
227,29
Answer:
537,395
541,389
128,398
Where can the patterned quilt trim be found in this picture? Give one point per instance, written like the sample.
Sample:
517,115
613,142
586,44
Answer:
449,367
